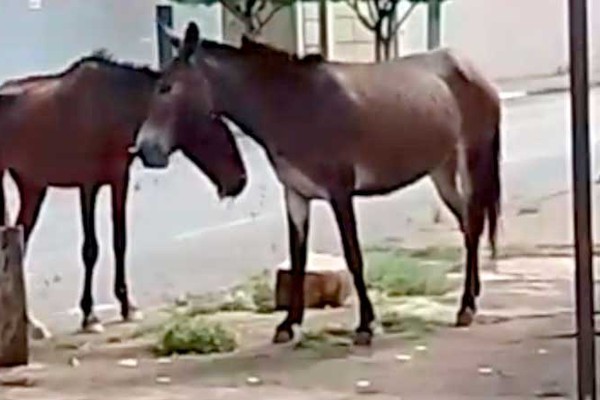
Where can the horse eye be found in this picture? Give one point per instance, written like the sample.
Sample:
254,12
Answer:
164,88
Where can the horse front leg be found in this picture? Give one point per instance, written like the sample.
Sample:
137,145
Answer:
298,214
89,252
344,214
129,311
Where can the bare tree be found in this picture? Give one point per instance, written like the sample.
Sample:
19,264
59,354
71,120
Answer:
381,18
253,14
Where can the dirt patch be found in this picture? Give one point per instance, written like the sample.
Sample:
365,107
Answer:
518,349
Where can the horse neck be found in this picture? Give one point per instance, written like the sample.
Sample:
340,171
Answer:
135,86
133,90
241,91
125,92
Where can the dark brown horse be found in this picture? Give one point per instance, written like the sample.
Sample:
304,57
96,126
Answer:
335,130
75,129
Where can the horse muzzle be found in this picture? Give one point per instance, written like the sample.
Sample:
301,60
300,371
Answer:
152,155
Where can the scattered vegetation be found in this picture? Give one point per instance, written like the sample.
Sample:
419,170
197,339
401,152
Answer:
400,272
409,326
184,335
262,292
255,295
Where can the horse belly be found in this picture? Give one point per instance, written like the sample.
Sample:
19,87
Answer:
393,167
372,180
67,171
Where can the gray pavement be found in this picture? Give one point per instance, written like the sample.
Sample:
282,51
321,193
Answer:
182,239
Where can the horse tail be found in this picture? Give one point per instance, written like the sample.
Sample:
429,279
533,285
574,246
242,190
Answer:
492,202
483,203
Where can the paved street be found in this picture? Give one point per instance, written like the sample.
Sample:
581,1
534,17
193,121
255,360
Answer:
182,239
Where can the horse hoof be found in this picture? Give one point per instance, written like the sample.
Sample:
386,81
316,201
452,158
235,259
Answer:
134,316
283,336
93,328
465,317
39,332
363,338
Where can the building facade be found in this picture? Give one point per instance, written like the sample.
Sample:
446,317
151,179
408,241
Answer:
506,38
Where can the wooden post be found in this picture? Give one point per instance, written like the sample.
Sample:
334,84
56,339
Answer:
582,203
13,307
164,15
324,29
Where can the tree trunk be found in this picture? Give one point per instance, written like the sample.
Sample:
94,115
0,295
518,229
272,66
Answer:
386,44
378,47
249,29
13,307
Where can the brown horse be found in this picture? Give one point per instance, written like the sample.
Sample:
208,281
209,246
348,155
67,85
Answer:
75,129
334,130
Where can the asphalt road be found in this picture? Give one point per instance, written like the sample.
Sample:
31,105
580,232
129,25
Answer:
182,239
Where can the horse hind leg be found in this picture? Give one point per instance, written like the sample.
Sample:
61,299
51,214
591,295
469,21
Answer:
3,209
482,188
32,197
472,286
444,180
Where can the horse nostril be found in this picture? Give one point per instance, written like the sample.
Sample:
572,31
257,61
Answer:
241,185
152,155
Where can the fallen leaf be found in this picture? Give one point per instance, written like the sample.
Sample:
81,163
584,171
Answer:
253,381
128,363
364,387
485,371
74,362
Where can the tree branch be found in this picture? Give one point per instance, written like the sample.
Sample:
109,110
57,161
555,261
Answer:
232,9
265,21
363,19
404,18
261,7
371,7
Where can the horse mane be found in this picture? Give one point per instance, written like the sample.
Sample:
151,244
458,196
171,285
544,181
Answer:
251,46
104,58
100,56
314,58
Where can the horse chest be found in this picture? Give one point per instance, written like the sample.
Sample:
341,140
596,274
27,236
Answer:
293,177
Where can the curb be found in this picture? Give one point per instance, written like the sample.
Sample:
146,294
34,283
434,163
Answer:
514,95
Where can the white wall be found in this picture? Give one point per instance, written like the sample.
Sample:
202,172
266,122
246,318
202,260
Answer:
280,32
46,39
506,38
61,31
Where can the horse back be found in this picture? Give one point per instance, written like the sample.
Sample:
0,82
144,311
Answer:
476,96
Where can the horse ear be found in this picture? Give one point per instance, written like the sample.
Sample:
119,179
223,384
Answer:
246,41
173,38
191,40
7,96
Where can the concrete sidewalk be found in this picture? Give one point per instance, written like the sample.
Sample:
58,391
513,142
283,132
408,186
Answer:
523,87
